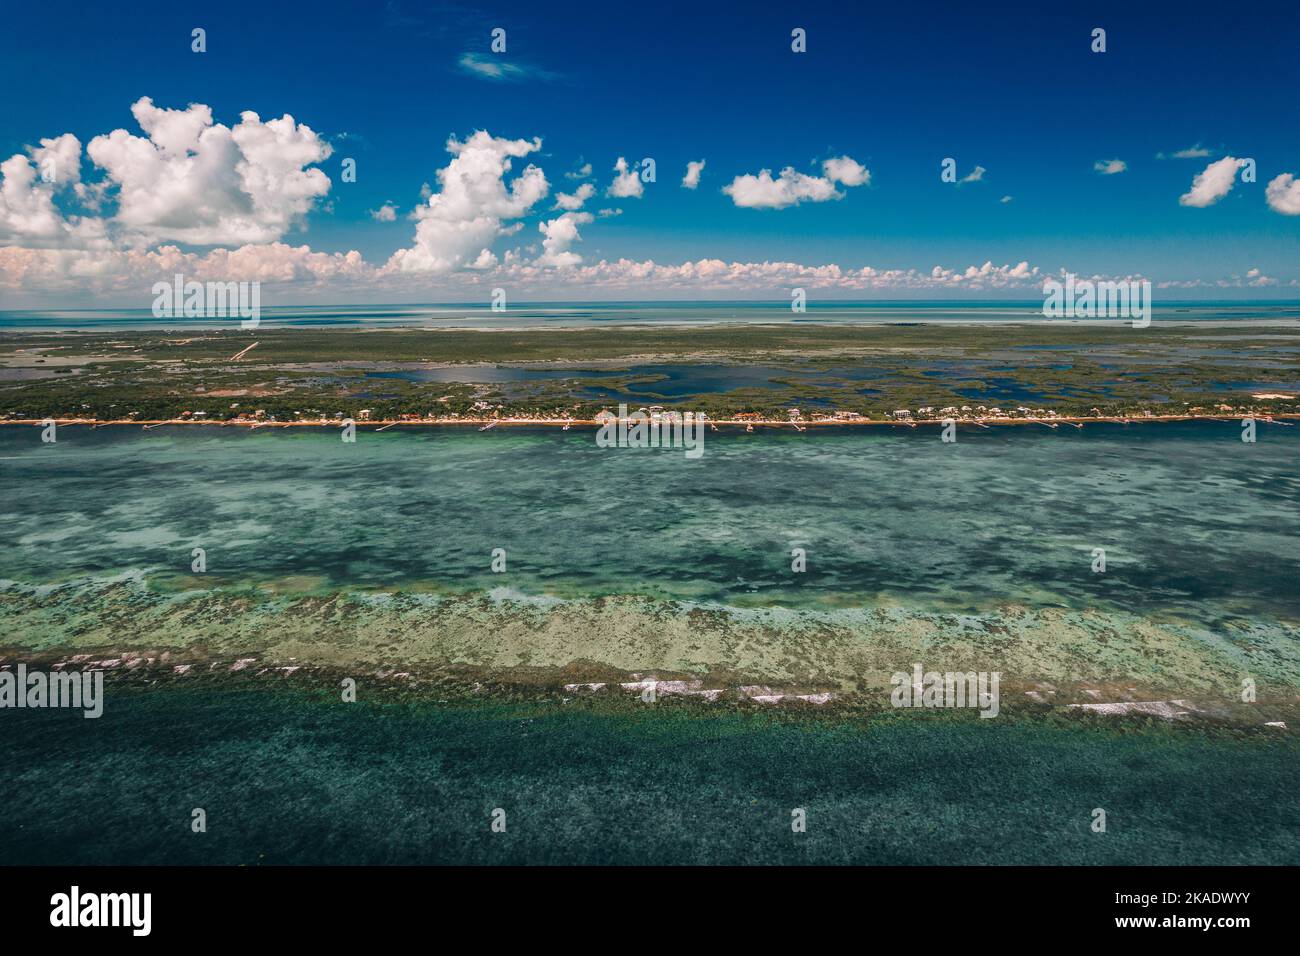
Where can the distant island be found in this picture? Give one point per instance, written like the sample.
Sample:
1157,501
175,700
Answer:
747,376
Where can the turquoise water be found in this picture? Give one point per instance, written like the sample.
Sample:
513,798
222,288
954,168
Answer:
586,314
287,776
1197,526
1193,520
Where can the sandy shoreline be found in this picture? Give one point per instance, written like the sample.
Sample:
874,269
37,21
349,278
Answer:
1078,420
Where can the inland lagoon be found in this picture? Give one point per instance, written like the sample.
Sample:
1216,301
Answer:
501,603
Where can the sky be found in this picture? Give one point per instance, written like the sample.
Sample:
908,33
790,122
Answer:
126,156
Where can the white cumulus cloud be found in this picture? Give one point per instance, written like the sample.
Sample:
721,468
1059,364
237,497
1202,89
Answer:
559,234
459,223
59,160
27,209
135,270
692,178
1211,184
192,180
574,200
28,212
627,182
1283,195
1109,167
847,171
792,187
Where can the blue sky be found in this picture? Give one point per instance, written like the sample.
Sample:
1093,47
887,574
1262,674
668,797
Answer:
1015,90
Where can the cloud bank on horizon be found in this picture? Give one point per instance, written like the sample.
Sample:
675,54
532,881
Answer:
215,202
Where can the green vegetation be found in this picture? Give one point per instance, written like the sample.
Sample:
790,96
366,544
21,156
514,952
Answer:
870,370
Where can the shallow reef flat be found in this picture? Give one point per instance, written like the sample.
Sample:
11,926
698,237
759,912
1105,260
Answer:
633,565
1052,657
648,679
